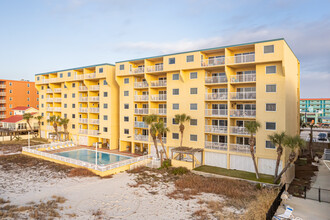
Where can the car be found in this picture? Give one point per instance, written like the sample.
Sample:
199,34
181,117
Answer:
322,137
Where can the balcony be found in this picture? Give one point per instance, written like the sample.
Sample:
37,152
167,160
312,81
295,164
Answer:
45,81
242,95
51,80
57,100
163,139
83,88
2,108
2,94
94,88
83,120
49,109
137,70
215,79
216,96
83,131
158,111
159,83
141,111
141,98
2,116
140,124
216,112
57,109
140,85
240,148
90,76
49,91
94,99
244,78
50,128
83,99
83,110
216,145
248,58
94,121
2,86
160,97
213,62
2,101
49,100
94,132
243,113
94,110
57,90
139,137
216,129
79,77
156,68
238,130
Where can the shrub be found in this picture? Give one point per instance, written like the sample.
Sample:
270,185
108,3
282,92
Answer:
179,171
166,164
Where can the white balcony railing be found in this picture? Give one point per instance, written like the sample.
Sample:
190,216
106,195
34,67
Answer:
139,137
93,132
94,110
90,76
83,99
94,98
216,145
2,101
141,111
57,90
94,121
79,77
83,88
216,129
2,116
141,97
49,109
53,80
158,111
243,113
244,78
163,139
215,79
94,88
45,81
248,58
155,68
216,112
83,120
140,124
213,62
141,84
49,100
160,97
57,109
238,130
2,94
57,99
137,70
216,96
242,95
2,108
49,91
2,86
159,83
83,131
83,110
240,148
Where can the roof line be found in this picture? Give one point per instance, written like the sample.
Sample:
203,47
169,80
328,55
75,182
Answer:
234,45
82,67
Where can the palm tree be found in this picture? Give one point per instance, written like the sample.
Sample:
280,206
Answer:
252,127
277,139
292,143
28,117
161,129
180,119
150,120
64,122
39,118
54,120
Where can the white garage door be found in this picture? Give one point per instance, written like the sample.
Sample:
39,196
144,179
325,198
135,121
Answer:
83,140
216,159
267,166
241,163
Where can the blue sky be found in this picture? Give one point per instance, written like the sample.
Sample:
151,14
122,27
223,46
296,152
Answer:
46,35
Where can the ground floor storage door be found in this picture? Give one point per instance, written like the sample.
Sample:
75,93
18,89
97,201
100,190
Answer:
43,134
215,159
83,140
244,163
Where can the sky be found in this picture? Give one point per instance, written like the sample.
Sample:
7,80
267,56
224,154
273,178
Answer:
47,35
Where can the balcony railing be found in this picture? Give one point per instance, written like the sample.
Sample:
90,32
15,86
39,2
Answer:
2,108
94,110
57,99
139,137
57,109
240,148
45,81
57,90
216,145
155,68
2,94
53,80
49,100
248,58
90,76
83,99
2,86
79,77
83,120
213,62
83,110
141,84
216,96
216,112
238,130
160,97
140,124
93,132
215,79
83,131
242,95
141,111
141,97
243,113
83,88
163,139
158,111
2,116
51,128
159,83
94,88
2,101
49,109
137,70
94,121
49,91
216,129
244,78
94,99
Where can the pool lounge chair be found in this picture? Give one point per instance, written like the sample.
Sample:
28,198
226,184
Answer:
286,215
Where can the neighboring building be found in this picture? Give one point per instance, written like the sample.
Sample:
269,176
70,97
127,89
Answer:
16,93
88,96
16,122
317,109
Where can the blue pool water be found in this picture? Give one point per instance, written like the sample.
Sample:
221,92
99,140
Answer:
89,156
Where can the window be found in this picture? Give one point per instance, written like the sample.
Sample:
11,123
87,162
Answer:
73,95
42,123
175,106
175,91
270,145
190,58
101,70
126,131
65,105
42,105
271,88
175,136
193,122
10,106
175,76
105,117
61,75
126,93
270,107
121,67
270,69
126,80
269,49
193,137
10,84
105,105
28,85
38,78
193,106
65,96
193,91
105,129
28,99
73,126
28,92
105,82
126,118
174,122
105,94
126,106
270,125
69,74
193,75
73,105
10,91
42,87
73,116
42,96
65,86
10,98
38,107
171,61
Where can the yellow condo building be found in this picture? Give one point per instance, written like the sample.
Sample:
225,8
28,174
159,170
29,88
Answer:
220,88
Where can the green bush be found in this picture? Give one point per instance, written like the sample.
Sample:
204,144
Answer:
180,171
166,164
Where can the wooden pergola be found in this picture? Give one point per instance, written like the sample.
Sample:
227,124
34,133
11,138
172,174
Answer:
184,151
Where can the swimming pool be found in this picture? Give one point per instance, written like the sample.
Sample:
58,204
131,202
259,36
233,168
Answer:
89,156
